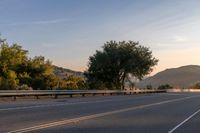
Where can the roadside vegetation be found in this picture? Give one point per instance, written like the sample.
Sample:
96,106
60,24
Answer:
109,68
20,72
164,87
196,85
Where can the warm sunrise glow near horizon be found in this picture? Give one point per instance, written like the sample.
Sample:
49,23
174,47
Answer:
69,31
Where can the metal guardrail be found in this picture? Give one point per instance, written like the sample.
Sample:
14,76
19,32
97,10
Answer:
56,93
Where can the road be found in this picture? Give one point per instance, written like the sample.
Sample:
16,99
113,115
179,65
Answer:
144,113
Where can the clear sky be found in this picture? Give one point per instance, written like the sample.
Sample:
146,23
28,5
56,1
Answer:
68,31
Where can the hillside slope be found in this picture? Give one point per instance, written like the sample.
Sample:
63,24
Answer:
182,77
63,72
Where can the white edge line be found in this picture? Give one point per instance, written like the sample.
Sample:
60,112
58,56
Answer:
176,127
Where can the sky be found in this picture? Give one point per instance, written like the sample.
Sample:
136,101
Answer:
69,31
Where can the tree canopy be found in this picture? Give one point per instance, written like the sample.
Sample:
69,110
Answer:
18,71
108,69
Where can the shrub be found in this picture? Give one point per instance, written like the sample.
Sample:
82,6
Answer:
166,86
196,85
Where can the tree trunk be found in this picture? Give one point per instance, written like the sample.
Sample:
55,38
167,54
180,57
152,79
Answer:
123,81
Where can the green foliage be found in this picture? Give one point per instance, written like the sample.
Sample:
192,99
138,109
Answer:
196,86
10,82
109,68
23,87
10,58
149,87
18,71
73,82
163,87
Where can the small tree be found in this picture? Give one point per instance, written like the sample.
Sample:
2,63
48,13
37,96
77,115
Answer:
110,67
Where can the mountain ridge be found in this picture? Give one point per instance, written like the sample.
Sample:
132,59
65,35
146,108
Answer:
181,77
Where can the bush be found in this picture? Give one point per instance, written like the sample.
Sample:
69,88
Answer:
24,87
163,87
196,85
149,87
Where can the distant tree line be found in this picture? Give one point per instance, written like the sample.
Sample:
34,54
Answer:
18,71
160,87
165,86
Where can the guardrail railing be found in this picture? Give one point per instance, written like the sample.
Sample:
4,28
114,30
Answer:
56,93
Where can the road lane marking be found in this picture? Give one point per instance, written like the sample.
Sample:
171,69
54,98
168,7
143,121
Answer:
74,120
187,119
55,105
176,94
73,103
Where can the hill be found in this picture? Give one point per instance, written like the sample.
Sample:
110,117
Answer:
182,77
63,72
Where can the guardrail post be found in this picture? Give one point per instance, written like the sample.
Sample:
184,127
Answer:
36,96
83,95
93,94
70,95
14,98
55,96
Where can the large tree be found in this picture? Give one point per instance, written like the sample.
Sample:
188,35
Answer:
11,57
18,71
108,69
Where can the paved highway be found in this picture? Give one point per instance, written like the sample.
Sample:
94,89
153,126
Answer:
144,113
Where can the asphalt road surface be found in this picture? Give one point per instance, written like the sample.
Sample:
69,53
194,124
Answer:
144,113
